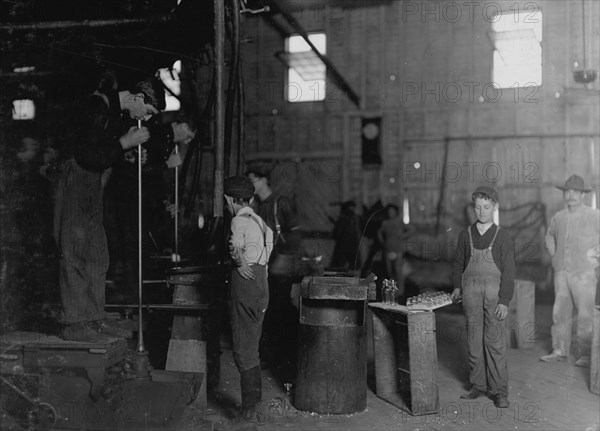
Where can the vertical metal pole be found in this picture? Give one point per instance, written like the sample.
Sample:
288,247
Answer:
140,347
176,260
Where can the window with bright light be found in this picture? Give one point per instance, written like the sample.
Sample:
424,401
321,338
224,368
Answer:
517,39
405,211
23,109
170,77
306,72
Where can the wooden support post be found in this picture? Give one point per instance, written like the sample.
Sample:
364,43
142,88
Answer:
219,110
595,359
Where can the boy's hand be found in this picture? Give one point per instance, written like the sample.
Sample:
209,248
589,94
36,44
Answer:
455,295
501,311
245,272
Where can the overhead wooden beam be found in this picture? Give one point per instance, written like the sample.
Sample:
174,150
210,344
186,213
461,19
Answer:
52,25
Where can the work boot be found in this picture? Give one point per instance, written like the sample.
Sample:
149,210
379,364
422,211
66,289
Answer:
251,385
555,356
583,361
500,401
251,413
472,394
83,332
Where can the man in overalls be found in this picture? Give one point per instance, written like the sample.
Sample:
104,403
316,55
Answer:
483,274
100,142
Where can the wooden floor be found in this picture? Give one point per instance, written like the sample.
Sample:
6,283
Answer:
542,396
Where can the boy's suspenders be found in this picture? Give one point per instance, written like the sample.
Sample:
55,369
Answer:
264,232
277,225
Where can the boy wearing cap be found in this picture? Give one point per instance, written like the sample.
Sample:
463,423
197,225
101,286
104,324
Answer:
572,241
483,274
250,246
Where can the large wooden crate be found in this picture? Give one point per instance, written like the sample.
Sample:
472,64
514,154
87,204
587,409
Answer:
405,358
521,316
595,360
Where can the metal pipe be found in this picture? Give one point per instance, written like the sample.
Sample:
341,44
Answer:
176,260
140,347
190,307
61,25
498,137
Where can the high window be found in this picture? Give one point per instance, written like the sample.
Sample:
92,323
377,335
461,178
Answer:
306,72
517,38
170,77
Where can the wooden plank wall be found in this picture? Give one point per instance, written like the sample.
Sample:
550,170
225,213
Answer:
406,67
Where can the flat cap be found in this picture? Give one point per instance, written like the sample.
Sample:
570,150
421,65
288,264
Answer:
238,187
488,191
260,169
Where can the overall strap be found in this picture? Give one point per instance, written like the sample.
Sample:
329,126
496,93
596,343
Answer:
277,225
471,239
264,232
494,238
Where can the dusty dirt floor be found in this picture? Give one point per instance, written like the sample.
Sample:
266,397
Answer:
542,396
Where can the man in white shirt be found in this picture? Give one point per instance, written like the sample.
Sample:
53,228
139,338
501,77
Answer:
572,241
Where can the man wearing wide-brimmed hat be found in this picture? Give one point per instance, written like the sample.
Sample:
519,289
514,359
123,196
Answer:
573,242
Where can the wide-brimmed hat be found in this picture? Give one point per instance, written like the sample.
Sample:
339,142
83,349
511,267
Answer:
575,182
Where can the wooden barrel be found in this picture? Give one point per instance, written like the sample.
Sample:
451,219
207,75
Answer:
332,346
196,331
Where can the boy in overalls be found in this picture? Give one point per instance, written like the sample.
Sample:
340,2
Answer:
250,246
483,274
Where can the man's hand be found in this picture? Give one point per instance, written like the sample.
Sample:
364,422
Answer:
245,272
170,208
130,156
501,311
182,132
455,295
134,137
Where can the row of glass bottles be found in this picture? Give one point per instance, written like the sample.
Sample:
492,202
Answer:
390,292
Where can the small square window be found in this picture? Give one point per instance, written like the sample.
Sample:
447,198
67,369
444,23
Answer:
170,78
23,109
517,41
306,74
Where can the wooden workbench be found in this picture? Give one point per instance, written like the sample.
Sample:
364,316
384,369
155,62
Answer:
36,350
405,357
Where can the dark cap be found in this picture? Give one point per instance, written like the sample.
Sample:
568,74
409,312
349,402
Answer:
488,192
238,187
260,169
